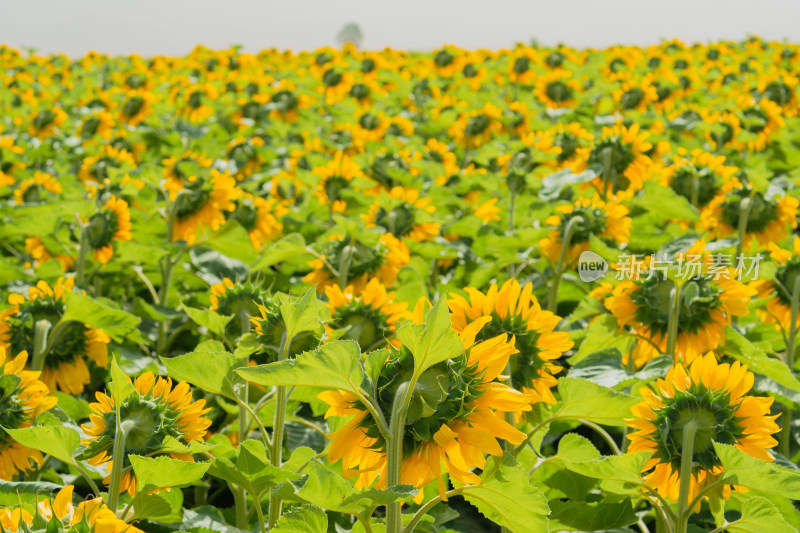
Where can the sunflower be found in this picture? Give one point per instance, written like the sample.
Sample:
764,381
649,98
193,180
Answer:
33,190
158,410
46,122
9,159
368,318
98,124
399,211
195,108
111,223
621,154
65,365
635,95
202,204
260,217
486,211
513,310
335,178
759,121
239,300
361,258
723,128
710,298
178,170
477,127
575,143
780,88
558,88
137,107
244,152
60,511
769,217
455,419
24,398
778,309
697,176
713,396
96,168
39,253
607,221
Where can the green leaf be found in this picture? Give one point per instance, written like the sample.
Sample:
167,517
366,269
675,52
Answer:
589,516
602,334
114,322
552,184
303,519
162,472
209,367
665,203
59,441
213,322
232,240
120,386
508,499
741,469
251,470
622,468
757,361
760,515
288,247
247,345
581,398
173,445
431,342
555,480
302,314
14,492
150,506
334,365
605,368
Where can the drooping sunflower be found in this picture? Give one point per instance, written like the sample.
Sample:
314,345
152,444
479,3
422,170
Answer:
697,175
759,120
24,398
710,297
335,178
158,410
111,223
369,318
714,397
65,366
558,88
203,204
621,153
516,312
769,218
575,143
363,259
239,300
95,168
47,122
244,152
260,217
34,190
455,424
778,309
402,212
178,170
608,221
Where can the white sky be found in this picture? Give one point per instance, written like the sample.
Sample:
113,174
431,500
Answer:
173,27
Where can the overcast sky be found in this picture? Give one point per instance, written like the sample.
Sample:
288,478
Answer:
173,27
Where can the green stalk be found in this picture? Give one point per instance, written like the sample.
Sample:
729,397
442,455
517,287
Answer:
41,329
239,497
83,250
786,432
687,453
260,514
344,263
552,297
674,315
695,190
394,453
512,202
277,436
117,456
744,214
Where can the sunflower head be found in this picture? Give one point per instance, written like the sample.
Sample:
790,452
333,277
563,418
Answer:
156,410
402,212
620,154
202,204
111,223
713,397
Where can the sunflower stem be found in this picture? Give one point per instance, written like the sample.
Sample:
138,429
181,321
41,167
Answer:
687,455
260,514
40,332
786,431
744,214
277,434
83,250
394,453
674,316
240,500
569,230
117,460
344,263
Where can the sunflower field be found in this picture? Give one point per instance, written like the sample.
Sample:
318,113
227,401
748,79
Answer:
537,289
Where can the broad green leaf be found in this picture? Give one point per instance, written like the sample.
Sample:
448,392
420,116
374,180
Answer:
552,184
590,516
508,499
14,492
120,386
210,367
212,321
335,365
759,515
292,245
114,322
757,361
163,472
665,203
605,368
150,506
303,519
232,240
251,469
431,342
555,480
625,468
581,398
741,469
302,314
247,345
602,334
173,445
59,441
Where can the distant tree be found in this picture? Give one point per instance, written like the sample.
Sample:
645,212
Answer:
350,33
